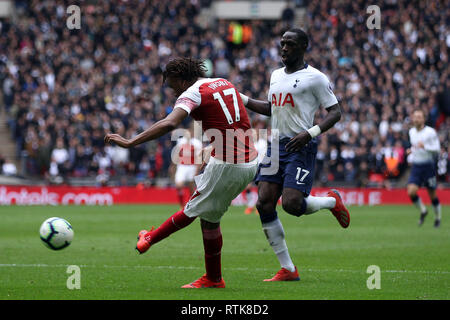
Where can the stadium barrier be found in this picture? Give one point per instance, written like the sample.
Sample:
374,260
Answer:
66,195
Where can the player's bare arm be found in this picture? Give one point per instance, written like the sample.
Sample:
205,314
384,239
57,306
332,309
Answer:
157,130
259,106
301,139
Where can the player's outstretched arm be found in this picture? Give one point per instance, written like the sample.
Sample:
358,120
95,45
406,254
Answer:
258,106
155,131
301,139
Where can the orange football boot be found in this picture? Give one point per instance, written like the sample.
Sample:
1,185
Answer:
285,275
340,211
204,282
249,210
143,243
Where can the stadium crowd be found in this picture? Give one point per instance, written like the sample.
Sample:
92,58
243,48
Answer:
64,89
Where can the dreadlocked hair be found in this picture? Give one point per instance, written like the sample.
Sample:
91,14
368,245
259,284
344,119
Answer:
185,68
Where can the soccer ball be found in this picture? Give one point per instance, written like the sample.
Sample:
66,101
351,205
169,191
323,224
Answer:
56,233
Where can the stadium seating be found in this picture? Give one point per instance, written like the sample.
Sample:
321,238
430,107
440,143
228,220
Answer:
73,86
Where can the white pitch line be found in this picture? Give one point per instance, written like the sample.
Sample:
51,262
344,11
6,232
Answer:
39,265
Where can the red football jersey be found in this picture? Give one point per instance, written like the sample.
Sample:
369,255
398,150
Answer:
224,120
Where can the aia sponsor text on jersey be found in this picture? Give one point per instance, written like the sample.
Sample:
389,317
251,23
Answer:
281,100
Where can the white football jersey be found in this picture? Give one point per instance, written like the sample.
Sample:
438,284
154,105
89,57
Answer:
430,140
296,97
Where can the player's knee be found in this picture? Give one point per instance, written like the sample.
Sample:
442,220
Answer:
412,194
292,206
412,191
435,201
414,197
263,207
206,225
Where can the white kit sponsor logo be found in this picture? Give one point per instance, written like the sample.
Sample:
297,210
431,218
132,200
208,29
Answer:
44,197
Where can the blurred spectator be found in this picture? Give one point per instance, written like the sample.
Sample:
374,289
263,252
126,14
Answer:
9,168
143,170
2,161
59,155
288,14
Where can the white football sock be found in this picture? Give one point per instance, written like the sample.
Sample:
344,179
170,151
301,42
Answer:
275,235
314,204
437,211
419,204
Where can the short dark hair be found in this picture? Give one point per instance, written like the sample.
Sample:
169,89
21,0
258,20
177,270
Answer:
185,68
301,36
419,110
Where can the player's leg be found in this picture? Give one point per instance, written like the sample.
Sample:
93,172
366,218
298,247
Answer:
218,186
268,195
295,203
412,189
184,177
430,182
297,185
147,238
180,194
436,206
212,244
179,183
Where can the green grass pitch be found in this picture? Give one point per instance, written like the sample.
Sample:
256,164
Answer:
414,261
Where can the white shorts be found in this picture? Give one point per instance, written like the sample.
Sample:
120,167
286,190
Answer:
185,173
219,184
